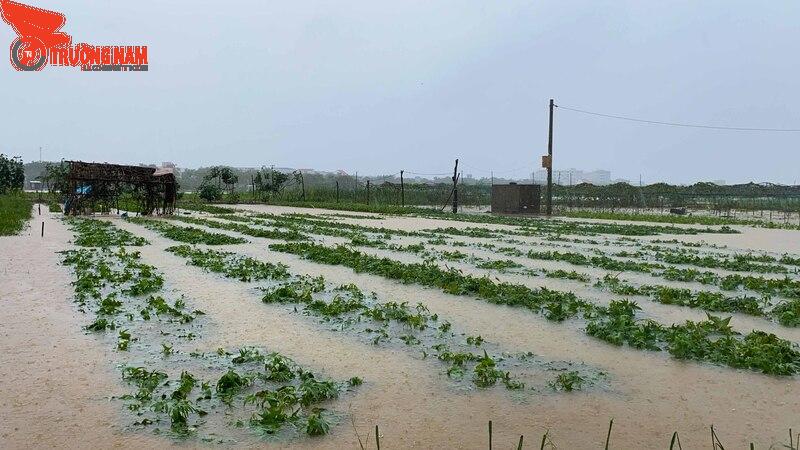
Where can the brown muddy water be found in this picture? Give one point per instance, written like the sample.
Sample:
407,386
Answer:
56,381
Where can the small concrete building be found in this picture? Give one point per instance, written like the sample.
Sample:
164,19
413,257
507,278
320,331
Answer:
516,198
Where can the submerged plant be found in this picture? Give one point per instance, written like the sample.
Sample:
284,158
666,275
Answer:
567,381
316,424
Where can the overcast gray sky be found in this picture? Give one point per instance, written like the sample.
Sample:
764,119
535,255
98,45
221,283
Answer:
379,86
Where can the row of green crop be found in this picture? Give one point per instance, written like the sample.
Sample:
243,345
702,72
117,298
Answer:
243,229
616,324
266,390
677,219
102,233
189,235
358,238
737,262
530,225
782,287
786,312
351,310
715,302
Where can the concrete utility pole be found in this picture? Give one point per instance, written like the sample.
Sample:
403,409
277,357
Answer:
550,162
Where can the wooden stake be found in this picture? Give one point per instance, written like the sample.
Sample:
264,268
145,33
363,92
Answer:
377,438
455,188
490,435
608,436
402,190
42,228
550,169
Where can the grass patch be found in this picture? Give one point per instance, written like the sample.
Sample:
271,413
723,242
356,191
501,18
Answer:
15,211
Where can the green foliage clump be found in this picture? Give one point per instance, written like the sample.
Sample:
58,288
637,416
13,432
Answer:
706,300
737,263
230,264
316,424
230,383
102,233
568,381
571,275
787,313
485,373
499,264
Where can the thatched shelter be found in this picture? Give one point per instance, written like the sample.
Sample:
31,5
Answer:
102,186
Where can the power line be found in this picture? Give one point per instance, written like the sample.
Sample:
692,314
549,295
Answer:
497,172
427,174
685,125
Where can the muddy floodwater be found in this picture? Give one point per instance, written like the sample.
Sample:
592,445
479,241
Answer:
59,385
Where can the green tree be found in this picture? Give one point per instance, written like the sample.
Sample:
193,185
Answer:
209,192
12,173
55,177
269,182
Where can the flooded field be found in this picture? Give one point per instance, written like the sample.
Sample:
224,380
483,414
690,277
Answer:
297,328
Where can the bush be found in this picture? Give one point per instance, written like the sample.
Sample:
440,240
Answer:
210,192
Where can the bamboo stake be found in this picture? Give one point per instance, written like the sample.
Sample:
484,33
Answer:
675,438
608,436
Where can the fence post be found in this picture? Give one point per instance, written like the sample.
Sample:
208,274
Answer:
303,185
402,191
367,192
337,191
455,188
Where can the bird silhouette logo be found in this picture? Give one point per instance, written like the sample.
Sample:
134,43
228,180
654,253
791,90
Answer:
37,33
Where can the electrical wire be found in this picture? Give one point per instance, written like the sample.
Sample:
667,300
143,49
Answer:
428,174
675,124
